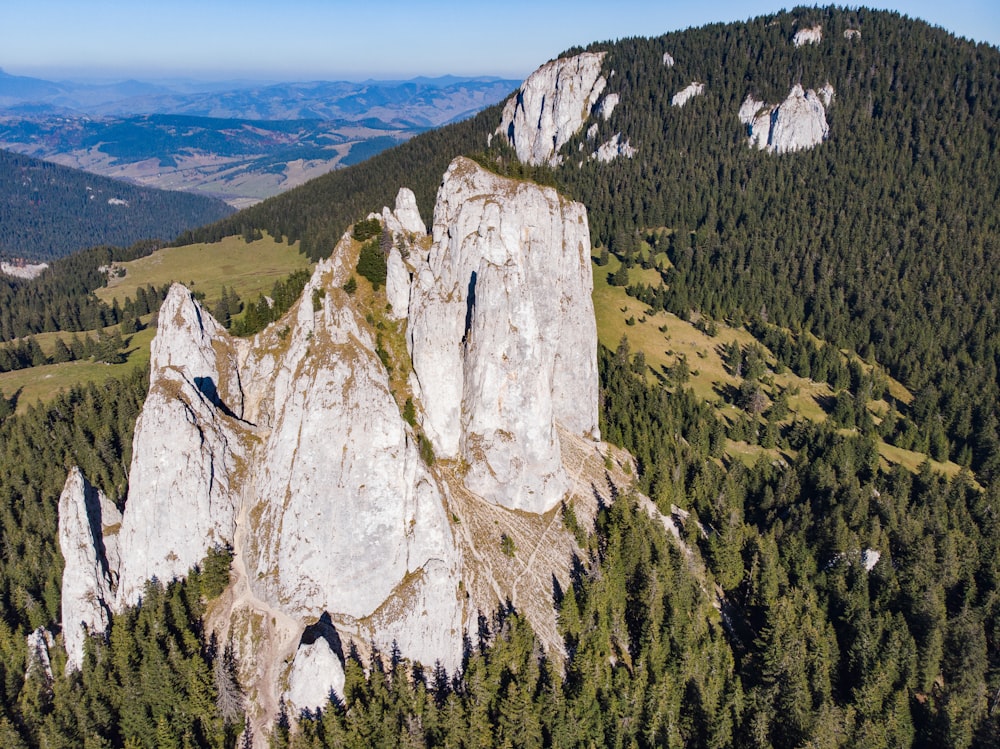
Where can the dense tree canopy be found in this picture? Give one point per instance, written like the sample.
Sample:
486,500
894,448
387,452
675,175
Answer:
48,211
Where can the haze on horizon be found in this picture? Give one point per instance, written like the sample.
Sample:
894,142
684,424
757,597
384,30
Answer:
386,39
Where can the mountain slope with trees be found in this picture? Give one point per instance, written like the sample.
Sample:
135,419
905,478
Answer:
49,211
858,604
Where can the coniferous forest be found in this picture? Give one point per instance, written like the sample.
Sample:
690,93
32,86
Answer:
825,598
48,211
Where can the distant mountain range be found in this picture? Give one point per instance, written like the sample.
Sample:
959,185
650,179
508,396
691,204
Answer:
422,102
238,142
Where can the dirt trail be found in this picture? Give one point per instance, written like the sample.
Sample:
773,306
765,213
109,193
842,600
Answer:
273,645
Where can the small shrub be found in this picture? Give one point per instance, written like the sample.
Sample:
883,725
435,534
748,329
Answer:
317,299
367,229
351,286
371,264
507,545
426,450
410,412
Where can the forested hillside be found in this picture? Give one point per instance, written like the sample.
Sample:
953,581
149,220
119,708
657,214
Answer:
883,240
48,211
817,596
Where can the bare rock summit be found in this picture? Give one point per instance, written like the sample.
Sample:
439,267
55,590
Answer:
502,334
292,450
551,107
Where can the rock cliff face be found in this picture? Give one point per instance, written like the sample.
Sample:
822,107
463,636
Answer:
502,334
797,123
614,148
183,499
39,642
292,449
683,96
813,35
88,527
551,107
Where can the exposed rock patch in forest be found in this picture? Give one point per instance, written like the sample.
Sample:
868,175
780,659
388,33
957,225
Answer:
797,123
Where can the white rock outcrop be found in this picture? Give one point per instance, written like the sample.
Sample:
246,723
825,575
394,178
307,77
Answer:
406,227
852,34
182,499
88,527
502,333
397,284
812,35
687,93
750,109
291,448
826,94
607,106
39,642
614,148
668,60
26,271
405,218
338,482
799,122
551,107
317,670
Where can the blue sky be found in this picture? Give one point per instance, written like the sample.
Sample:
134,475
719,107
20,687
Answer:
354,40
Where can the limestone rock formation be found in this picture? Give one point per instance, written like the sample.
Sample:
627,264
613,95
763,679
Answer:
317,670
292,449
39,642
406,227
339,483
397,284
502,334
813,35
405,219
614,148
797,123
668,60
183,498
551,107
852,34
607,106
88,527
687,93
826,94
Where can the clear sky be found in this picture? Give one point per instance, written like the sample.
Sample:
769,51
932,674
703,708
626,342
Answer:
355,39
